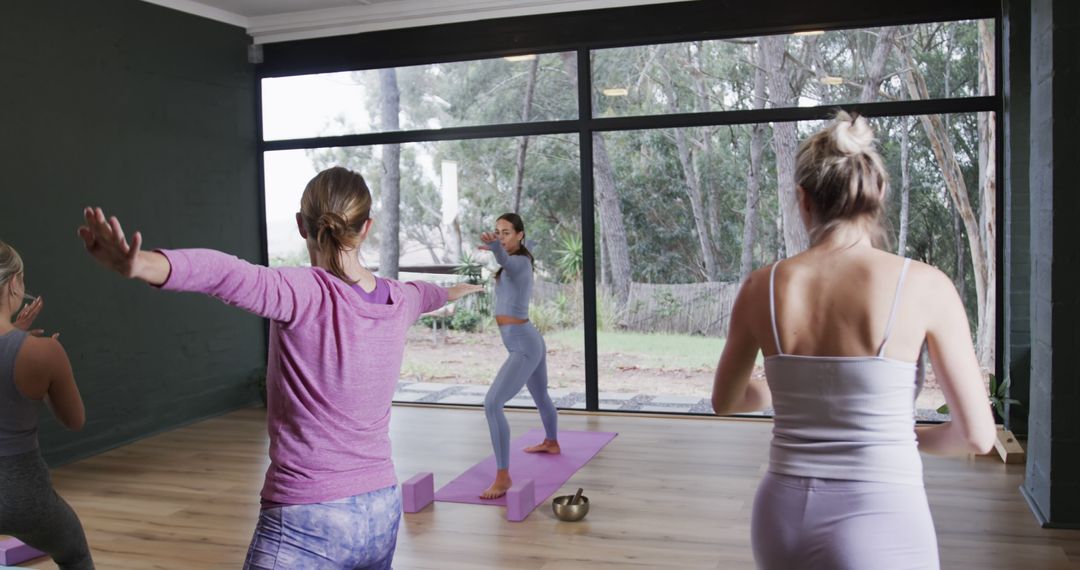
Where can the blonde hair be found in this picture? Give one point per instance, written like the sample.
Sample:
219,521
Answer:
11,264
844,177
334,208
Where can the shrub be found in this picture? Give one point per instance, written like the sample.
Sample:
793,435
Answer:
466,320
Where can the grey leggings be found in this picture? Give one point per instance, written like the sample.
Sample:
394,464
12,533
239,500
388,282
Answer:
525,366
31,511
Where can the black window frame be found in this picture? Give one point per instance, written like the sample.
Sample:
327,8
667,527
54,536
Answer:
585,31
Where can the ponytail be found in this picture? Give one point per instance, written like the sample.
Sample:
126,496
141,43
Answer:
335,206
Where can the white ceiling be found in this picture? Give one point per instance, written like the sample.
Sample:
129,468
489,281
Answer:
283,20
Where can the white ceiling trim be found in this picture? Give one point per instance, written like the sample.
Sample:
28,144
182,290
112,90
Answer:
410,14
199,9
386,15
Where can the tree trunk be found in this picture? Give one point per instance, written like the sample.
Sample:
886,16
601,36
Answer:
938,135
611,220
984,342
706,160
523,143
389,107
753,177
905,186
607,201
779,231
876,69
690,173
697,209
784,144
605,267
959,258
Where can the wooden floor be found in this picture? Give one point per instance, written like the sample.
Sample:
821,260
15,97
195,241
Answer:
666,493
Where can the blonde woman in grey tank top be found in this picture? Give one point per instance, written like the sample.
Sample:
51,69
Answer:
33,370
842,326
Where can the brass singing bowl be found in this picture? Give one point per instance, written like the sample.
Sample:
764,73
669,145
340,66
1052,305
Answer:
564,511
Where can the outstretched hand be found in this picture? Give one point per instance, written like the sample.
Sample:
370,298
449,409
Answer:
105,242
461,289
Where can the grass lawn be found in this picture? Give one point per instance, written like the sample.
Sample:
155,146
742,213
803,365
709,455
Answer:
661,350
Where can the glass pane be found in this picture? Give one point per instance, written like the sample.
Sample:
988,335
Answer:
450,192
439,95
951,59
681,221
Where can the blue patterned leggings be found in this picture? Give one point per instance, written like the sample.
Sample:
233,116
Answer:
355,532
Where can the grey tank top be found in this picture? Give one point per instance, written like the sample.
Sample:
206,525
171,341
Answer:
18,414
514,287
844,417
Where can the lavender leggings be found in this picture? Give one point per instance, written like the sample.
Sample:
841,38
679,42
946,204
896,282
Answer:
809,523
355,532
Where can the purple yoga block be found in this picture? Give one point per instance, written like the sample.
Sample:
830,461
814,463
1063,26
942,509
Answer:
13,551
418,492
520,501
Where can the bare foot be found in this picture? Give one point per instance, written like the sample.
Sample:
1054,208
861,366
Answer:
548,446
499,488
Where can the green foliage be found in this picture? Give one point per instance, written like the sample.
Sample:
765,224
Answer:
544,317
999,397
607,310
469,268
466,320
571,257
558,313
669,304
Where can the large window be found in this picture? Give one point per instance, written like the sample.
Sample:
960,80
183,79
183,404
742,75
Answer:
458,94
689,153
700,210
806,69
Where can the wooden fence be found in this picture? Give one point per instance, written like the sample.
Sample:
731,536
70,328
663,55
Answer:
687,308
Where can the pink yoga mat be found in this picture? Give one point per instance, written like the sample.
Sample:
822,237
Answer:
548,472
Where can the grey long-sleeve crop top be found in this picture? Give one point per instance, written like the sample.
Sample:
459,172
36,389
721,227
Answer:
514,287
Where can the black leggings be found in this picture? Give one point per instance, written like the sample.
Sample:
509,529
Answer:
31,511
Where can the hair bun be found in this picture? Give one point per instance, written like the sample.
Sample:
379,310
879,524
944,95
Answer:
852,136
330,224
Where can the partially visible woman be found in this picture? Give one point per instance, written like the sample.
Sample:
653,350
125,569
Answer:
34,371
842,326
337,336
526,365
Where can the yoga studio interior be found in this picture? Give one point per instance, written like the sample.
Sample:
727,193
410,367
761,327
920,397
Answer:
648,145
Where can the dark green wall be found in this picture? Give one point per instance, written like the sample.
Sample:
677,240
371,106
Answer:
1052,478
1016,56
149,113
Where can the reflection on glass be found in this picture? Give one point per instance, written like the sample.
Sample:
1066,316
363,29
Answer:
921,61
438,95
683,216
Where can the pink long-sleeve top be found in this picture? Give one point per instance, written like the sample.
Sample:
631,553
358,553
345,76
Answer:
333,364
